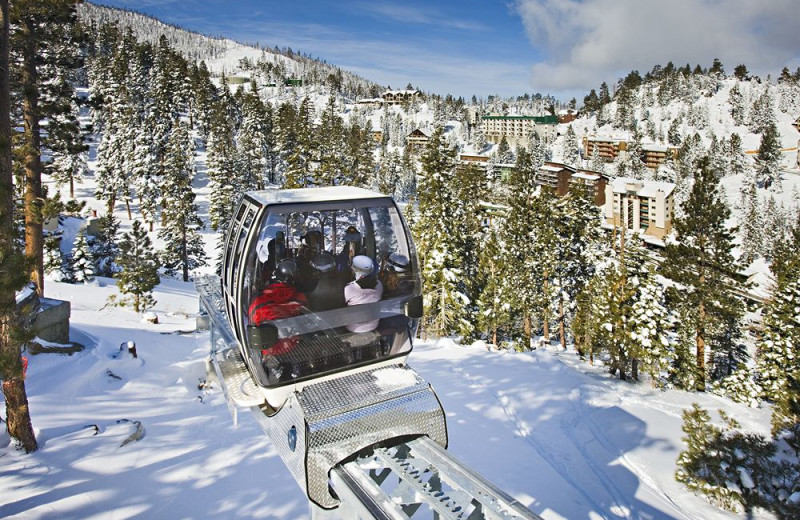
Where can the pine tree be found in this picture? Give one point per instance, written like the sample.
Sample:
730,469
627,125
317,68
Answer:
779,353
445,304
81,259
43,41
762,114
13,272
54,261
576,231
104,246
786,260
752,227
700,262
769,155
493,309
528,236
184,245
571,147
139,274
222,167
738,107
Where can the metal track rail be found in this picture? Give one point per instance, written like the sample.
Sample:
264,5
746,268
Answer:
417,479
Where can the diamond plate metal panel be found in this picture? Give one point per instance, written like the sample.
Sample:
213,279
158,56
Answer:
335,419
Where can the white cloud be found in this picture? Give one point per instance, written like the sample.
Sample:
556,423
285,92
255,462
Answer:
591,41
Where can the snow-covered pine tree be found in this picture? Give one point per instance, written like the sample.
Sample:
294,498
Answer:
739,164
139,269
577,235
331,140
786,256
597,163
762,114
223,167
469,187
56,265
571,153
445,304
104,246
700,262
359,156
493,308
768,159
528,238
751,226
184,245
146,171
81,261
738,107
44,51
252,143
65,141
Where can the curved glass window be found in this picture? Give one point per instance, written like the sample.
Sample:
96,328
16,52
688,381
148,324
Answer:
307,310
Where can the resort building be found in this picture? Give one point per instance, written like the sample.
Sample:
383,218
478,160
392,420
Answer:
645,206
518,130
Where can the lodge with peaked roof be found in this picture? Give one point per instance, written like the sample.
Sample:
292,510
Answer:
417,140
396,97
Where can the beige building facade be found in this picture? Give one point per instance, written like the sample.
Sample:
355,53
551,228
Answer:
644,206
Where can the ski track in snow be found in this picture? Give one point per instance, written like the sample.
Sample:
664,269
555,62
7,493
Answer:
601,484
551,455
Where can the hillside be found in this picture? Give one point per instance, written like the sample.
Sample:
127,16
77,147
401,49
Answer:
565,439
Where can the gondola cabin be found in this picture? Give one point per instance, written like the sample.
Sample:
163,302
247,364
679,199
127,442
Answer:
319,283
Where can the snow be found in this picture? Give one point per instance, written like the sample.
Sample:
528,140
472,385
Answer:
563,437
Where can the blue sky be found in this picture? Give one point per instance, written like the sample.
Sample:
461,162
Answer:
507,47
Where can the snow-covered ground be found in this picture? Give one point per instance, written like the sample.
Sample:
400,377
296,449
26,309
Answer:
563,437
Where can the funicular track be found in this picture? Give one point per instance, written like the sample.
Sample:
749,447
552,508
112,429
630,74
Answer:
417,479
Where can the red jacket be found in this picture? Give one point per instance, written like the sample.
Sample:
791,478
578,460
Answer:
278,300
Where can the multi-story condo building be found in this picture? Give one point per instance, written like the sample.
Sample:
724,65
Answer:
562,177
608,149
645,206
518,129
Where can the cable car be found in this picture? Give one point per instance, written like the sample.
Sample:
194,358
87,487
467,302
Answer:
319,283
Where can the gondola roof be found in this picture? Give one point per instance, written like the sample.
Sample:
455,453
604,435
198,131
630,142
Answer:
308,195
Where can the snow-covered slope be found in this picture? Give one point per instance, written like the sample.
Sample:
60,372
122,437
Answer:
564,438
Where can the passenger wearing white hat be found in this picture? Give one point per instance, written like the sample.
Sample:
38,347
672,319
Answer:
366,288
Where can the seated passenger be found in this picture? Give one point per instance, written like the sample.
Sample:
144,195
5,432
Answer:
326,293
394,275
280,299
269,254
366,288
311,247
351,249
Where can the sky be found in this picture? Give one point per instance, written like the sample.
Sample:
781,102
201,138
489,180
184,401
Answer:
562,48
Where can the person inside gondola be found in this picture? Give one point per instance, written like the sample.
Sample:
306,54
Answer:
365,288
395,276
280,299
270,253
327,291
310,249
351,249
